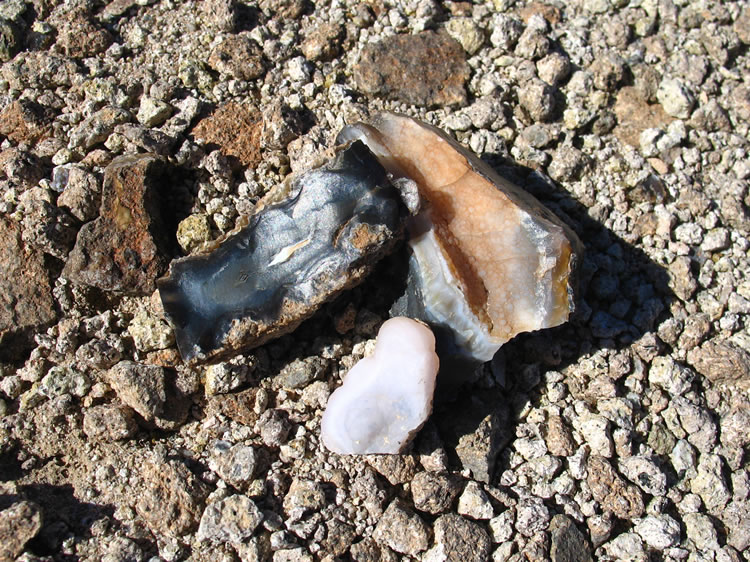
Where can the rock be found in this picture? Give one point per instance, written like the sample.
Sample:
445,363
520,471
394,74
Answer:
39,70
26,302
459,539
304,496
567,543
243,407
553,68
596,432
700,530
736,519
142,387
675,97
426,69
670,376
78,35
608,70
397,469
721,361
501,527
46,226
466,32
301,372
626,546
402,530
293,266
193,231
635,114
11,38
434,492
532,517
558,438
236,129
274,427
18,524
474,503
644,472
323,42
710,483
469,200
682,280
238,56
220,15
476,429
281,125
81,191
235,464
659,531
61,380
506,29
232,519
126,248
611,491
109,422
538,99
170,498
386,397
367,550
149,331
26,121
97,127
153,112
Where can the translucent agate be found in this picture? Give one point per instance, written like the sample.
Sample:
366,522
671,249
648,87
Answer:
336,222
488,260
387,397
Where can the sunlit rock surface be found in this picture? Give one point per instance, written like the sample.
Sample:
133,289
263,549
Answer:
261,283
386,397
488,260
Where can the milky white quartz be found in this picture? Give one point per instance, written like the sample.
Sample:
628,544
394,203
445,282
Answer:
387,397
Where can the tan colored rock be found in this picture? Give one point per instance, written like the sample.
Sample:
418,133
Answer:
492,262
236,129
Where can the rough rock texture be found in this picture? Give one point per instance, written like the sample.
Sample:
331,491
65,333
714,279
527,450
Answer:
18,524
26,121
125,249
403,68
274,273
402,530
25,292
457,538
236,129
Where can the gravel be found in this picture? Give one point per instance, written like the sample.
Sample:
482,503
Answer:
621,435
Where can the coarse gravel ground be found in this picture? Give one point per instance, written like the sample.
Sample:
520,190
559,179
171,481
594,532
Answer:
622,435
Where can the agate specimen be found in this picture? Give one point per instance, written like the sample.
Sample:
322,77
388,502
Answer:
488,260
387,397
336,222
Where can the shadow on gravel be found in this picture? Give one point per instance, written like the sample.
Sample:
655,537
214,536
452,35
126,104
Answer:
622,296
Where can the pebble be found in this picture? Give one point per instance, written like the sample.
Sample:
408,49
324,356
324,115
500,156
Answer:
659,531
232,519
474,503
709,482
457,538
675,97
532,516
402,530
434,492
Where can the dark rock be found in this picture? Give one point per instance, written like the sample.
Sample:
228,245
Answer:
145,138
367,550
239,57
434,492
612,491
334,225
457,538
126,248
322,42
10,39
170,498
476,429
721,361
236,129
22,168
26,121
568,543
109,422
18,524
25,291
427,69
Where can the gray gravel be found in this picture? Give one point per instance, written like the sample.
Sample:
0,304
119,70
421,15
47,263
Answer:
620,436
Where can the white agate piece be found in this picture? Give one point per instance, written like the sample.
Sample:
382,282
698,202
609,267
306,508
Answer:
387,397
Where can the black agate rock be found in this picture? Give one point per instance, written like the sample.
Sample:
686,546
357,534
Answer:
293,256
